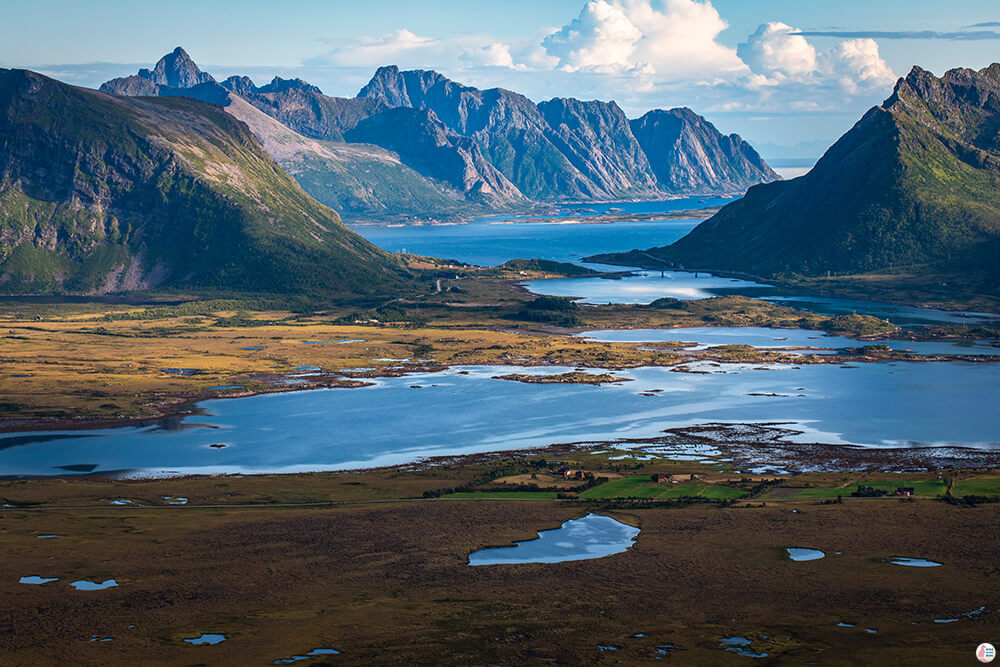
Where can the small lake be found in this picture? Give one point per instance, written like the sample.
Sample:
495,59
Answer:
914,562
800,554
647,286
593,536
388,423
762,337
84,585
206,639
644,288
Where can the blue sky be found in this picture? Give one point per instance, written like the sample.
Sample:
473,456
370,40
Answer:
788,75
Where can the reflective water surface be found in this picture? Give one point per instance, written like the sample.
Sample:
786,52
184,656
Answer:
593,536
388,423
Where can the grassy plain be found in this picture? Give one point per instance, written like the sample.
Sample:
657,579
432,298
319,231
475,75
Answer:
85,362
386,581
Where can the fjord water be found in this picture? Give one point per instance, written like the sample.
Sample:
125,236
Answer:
593,536
883,404
497,239
492,241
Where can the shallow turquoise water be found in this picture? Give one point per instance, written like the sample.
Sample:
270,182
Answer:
593,536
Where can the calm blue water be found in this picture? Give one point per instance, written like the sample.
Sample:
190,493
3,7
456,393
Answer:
487,244
914,562
84,585
492,241
593,536
781,338
641,289
800,554
206,639
648,286
885,404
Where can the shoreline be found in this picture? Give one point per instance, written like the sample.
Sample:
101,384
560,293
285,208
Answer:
182,406
755,448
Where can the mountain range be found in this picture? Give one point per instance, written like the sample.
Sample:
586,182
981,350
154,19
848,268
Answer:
913,187
102,193
466,149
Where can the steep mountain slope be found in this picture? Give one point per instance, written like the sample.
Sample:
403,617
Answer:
688,154
914,186
101,193
303,107
361,180
418,169
565,148
424,143
496,148
597,139
510,130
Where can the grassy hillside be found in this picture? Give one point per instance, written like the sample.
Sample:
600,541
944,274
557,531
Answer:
101,193
913,187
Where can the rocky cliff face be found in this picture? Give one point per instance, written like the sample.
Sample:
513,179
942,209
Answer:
914,186
363,181
508,128
102,193
426,145
303,107
687,154
565,148
597,139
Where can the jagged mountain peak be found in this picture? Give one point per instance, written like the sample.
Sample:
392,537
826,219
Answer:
400,88
176,69
911,188
244,85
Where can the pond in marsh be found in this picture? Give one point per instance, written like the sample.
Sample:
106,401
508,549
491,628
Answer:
800,554
913,562
593,536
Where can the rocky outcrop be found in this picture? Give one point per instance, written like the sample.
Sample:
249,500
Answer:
598,141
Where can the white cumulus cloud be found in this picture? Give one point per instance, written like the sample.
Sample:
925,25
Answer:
777,54
671,38
773,49
856,64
